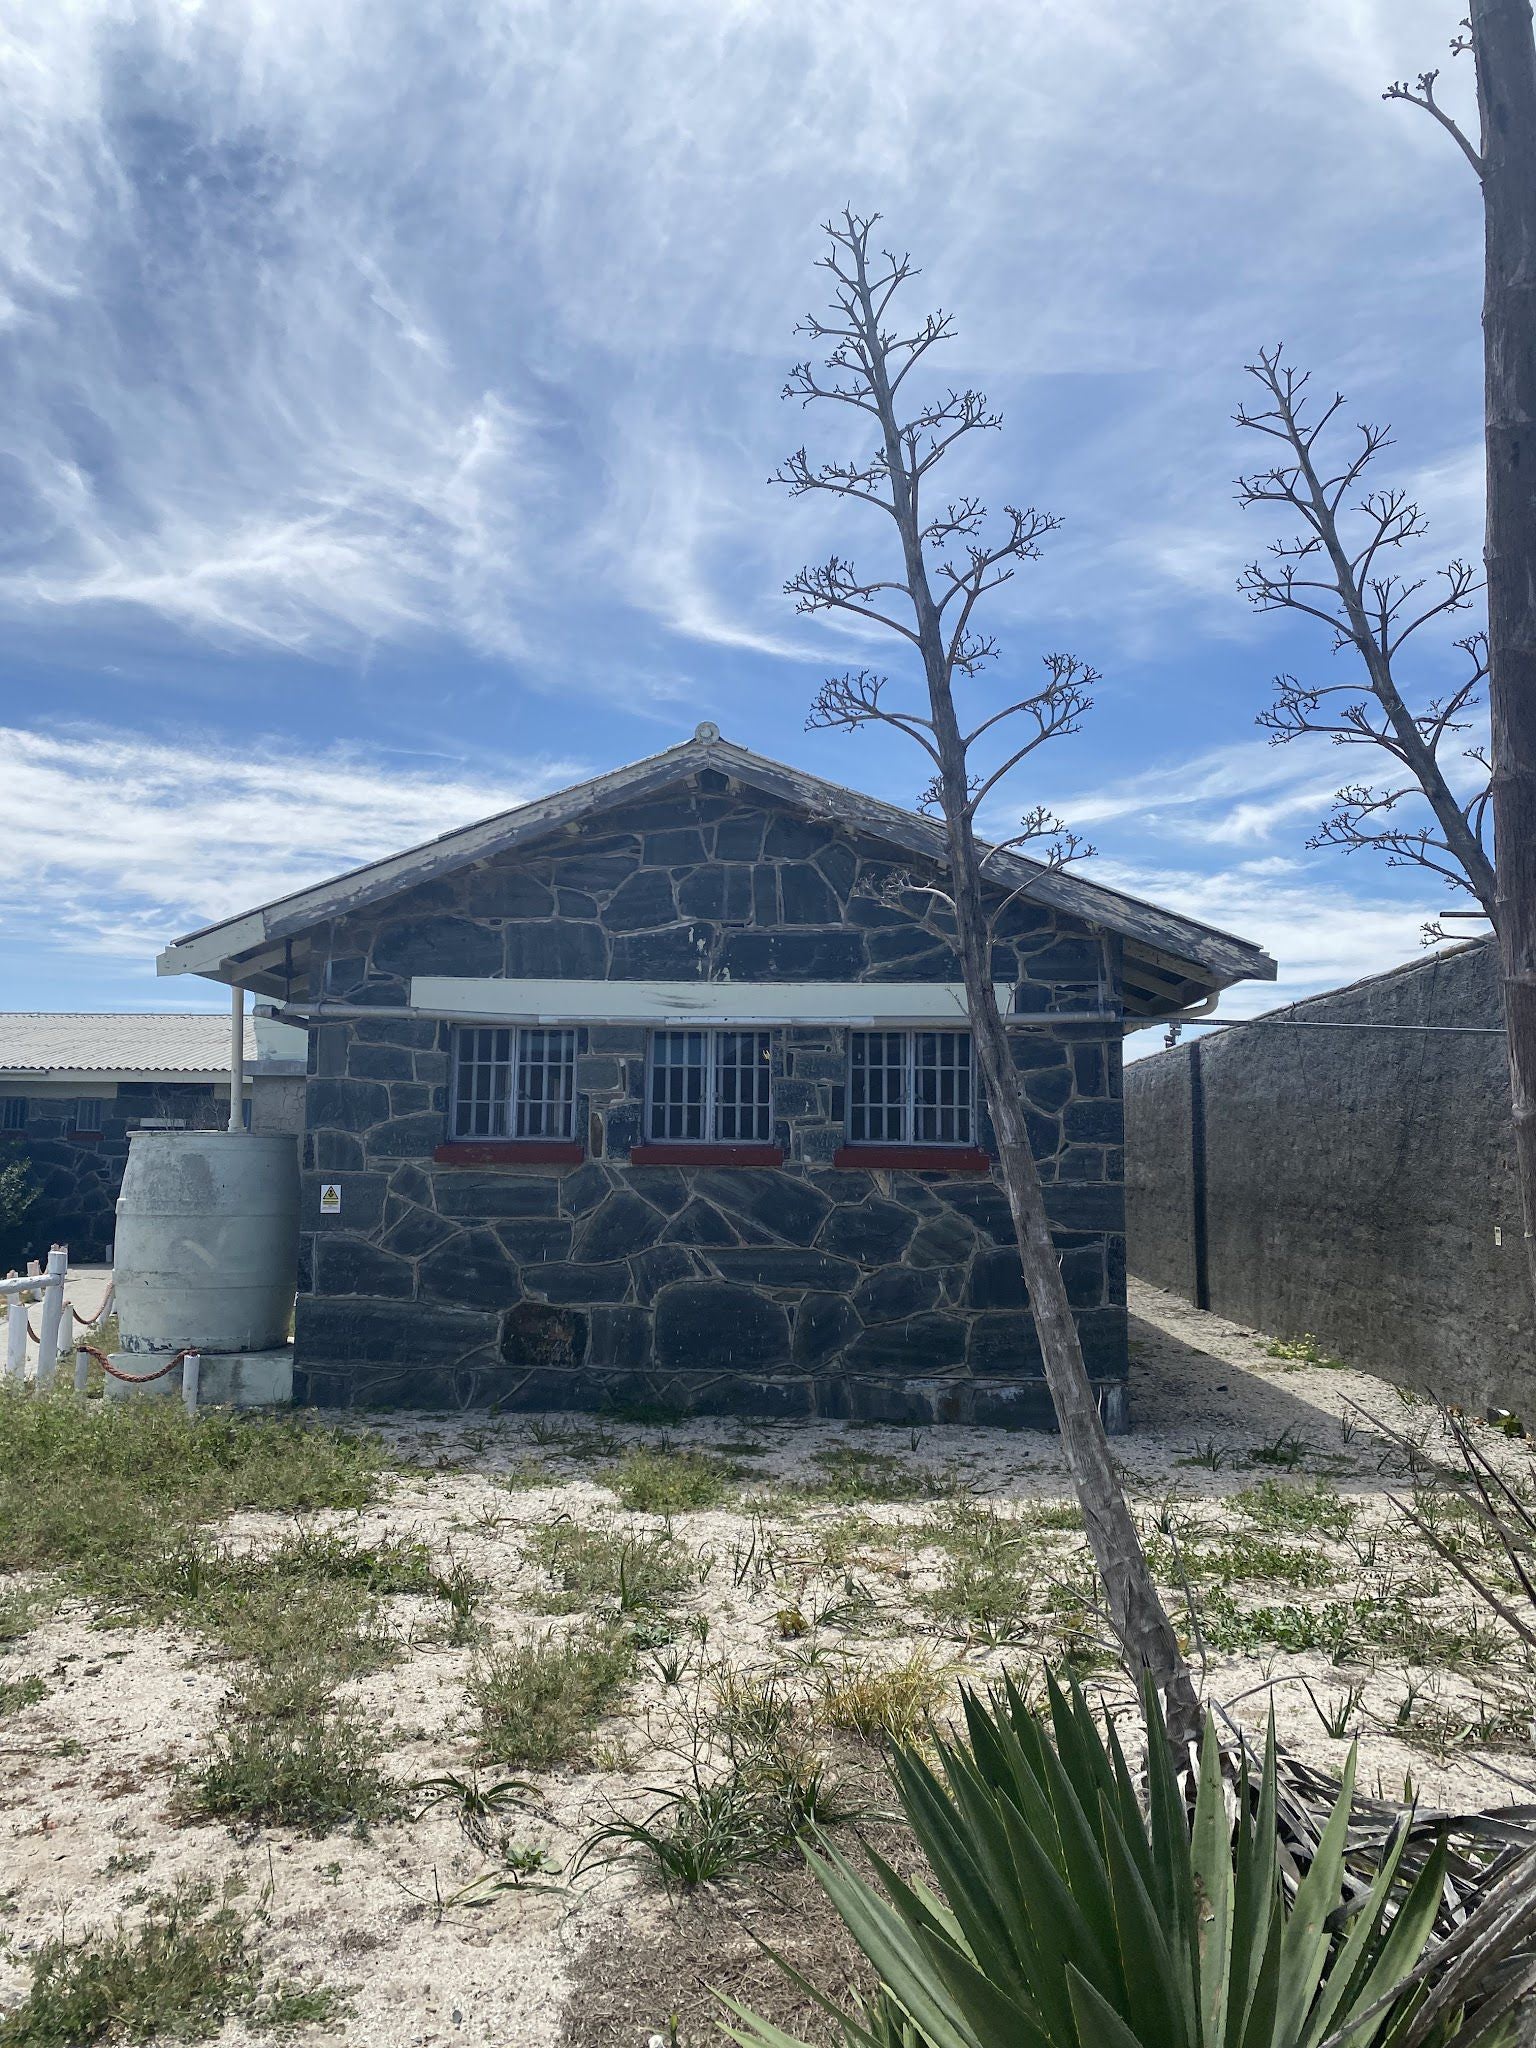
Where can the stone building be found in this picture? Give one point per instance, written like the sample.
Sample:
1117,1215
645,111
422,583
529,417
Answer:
660,1089
74,1084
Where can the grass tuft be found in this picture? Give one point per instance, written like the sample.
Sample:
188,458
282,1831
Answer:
187,1968
16,1693
609,1567
84,1484
1304,1350
988,1590
1296,1508
289,1755
540,1701
890,1706
848,1476
669,1481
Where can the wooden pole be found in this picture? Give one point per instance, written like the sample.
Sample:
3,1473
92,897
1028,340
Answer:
1505,51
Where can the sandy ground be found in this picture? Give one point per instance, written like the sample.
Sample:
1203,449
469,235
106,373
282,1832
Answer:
86,1774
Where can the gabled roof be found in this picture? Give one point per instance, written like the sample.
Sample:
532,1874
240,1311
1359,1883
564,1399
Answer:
1177,960
149,1045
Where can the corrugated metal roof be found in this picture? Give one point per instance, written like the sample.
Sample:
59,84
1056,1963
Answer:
147,1042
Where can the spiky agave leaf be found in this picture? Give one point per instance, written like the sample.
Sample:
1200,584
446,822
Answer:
1072,1918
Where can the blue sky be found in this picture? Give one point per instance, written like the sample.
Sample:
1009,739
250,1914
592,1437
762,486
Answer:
392,392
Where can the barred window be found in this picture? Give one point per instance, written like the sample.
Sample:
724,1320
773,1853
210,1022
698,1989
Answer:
709,1087
13,1112
514,1083
910,1088
90,1115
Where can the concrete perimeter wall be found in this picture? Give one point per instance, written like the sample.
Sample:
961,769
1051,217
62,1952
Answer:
1356,1183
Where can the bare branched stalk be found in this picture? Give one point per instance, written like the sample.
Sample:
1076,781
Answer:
1340,568
951,557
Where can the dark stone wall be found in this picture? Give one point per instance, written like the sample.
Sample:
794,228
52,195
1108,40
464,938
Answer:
79,1175
798,1289
1356,1181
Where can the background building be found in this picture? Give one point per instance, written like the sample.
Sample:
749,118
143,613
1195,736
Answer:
74,1084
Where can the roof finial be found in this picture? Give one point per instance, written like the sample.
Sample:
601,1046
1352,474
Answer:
706,729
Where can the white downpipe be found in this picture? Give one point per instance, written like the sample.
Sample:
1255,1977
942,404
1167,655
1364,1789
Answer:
237,1059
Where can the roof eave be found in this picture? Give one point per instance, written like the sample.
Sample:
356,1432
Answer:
232,952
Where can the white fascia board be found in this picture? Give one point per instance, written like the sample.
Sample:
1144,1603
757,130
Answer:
694,1002
207,952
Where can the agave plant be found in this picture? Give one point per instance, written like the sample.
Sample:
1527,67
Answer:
1075,1916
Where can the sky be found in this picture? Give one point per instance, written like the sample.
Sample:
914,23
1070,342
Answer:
392,393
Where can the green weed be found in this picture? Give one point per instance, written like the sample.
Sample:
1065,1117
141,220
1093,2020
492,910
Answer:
1240,1561
988,1589
86,1484
1388,1624
1305,1350
188,1967
288,1755
591,1567
540,1701
850,1475
695,1836
665,1482
1296,1508
16,1693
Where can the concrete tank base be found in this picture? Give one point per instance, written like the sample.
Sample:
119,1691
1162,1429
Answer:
227,1379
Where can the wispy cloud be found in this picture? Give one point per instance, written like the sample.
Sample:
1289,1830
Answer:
351,325
417,371
112,845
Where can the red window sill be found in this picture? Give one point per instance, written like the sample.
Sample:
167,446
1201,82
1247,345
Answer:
706,1155
915,1158
508,1152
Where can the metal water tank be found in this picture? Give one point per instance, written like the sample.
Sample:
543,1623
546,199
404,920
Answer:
207,1240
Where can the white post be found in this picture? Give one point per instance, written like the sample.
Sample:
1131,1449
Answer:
237,1059
191,1372
15,1337
82,1369
66,1333
51,1315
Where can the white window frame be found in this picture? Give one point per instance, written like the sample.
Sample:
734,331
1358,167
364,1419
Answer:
92,1126
13,1112
909,1103
513,1103
709,1134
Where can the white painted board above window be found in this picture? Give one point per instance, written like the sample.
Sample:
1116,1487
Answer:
890,1003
